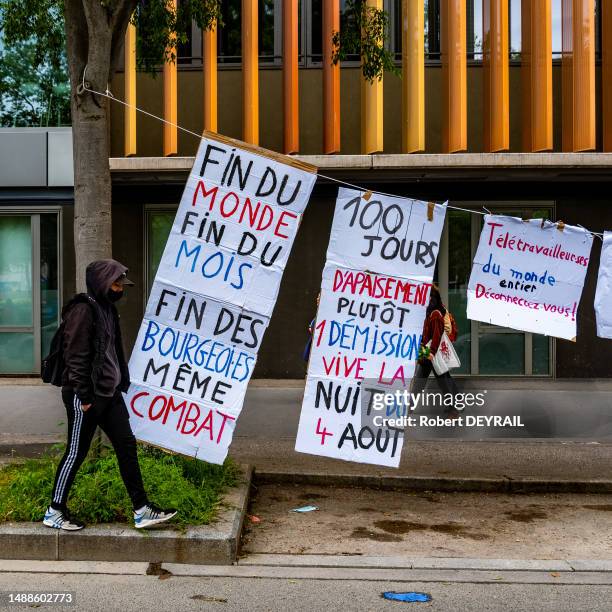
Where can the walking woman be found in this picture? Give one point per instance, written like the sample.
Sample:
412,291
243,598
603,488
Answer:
433,329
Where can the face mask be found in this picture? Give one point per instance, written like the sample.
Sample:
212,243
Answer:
114,296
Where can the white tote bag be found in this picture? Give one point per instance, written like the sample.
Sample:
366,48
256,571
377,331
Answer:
446,357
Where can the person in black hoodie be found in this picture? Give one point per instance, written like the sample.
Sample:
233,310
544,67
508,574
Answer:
95,374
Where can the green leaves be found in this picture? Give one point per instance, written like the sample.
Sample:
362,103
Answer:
38,21
363,31
99,496
159,28
32,94
34,82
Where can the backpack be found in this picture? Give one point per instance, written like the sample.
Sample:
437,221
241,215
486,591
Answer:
52,366
450,326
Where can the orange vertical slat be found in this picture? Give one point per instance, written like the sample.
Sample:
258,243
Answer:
578,70
606,74
170,112
250,72
209,68
536,67
567,86
372,107
290,76
413,76
130,91
331,79
454,75
496,134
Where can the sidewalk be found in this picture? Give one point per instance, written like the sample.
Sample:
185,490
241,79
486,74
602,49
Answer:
569,421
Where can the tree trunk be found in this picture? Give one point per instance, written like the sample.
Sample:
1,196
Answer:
92,187
93,40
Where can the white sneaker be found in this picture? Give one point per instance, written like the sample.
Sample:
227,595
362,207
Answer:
56,519
152,515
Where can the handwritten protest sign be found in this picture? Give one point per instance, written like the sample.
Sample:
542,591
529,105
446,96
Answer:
375,289
603,294
213,295
528,275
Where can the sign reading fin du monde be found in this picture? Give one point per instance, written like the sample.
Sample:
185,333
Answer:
374,294
213,295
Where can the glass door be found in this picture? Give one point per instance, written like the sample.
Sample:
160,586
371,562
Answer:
486,349
29,289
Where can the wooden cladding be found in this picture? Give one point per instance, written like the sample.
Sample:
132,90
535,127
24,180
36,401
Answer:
170,103
578,75
129,130
536,67
578,128
209,74
331,79
495,60
372,107
250,72
454,75
290,77
606,74
413,76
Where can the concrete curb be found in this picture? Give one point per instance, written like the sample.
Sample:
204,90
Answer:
428,483
443,563
215,544
27,445
390,575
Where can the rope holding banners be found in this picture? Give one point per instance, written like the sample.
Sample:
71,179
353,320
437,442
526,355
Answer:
367,192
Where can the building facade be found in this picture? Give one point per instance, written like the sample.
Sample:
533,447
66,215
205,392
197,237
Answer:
503,105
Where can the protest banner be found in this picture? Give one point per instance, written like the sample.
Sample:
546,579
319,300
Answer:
603,294
213,294
374,293
529,275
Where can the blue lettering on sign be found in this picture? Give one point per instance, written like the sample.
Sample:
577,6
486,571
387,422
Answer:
187,347
370,340
215,264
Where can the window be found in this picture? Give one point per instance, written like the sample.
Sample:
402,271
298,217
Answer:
229,37
229,43
30,282
486,349
158,223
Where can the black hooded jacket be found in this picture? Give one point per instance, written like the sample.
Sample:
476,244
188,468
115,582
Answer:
94,361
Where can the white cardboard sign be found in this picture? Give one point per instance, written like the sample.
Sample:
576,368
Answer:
213,295
603,294
528,275
366,337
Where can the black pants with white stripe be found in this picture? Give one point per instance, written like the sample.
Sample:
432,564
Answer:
111,415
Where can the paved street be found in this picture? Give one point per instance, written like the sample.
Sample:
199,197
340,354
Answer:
259,588
32,414
363,541
567,409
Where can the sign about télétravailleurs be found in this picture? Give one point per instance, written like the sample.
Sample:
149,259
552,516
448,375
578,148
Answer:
213,295
529,275
375,290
